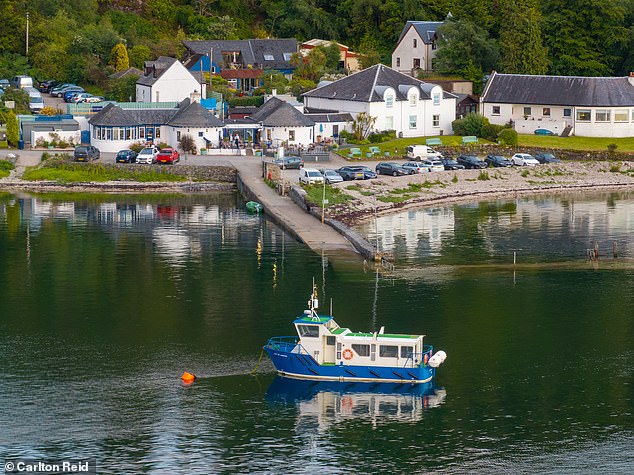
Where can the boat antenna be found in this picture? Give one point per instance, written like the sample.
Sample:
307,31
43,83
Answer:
313,302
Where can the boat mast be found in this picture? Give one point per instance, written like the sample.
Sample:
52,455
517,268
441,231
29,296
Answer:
313,302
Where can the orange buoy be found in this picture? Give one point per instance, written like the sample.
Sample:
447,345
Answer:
188,378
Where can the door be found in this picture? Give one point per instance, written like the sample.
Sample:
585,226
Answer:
329,349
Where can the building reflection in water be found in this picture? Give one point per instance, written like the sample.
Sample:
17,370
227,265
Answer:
326,403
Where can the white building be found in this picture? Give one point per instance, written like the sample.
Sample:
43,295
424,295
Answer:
416,47
165,80
399,102
568,105
283,124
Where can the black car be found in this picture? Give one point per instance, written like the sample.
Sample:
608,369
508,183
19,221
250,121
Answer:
543,157
45,86
290,162
498,161
126,156
390,168
471,161
368,174
451,164
86,153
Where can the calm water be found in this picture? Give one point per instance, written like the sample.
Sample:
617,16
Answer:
104,301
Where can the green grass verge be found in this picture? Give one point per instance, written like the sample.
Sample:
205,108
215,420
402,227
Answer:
89,172
5,168
576,143
398,147
334,195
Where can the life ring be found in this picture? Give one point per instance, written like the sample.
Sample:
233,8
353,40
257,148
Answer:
347,354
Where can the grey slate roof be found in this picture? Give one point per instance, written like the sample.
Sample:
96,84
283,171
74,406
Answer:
113,116
370,84
192,114
425,29
337,117
253,51
559,90
155,69
131,71
277,113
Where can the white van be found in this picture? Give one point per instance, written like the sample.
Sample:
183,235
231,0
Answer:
36,103
21,82
421,152
311,176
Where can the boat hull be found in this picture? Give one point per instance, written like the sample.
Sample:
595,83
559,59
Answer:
302,366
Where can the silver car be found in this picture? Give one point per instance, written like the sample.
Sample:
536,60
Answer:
331,176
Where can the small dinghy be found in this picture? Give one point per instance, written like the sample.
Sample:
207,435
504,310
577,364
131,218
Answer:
254,207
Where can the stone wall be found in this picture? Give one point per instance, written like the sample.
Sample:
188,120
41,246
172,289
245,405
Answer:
216,173
565,154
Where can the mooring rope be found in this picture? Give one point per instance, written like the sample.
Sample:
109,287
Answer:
259,361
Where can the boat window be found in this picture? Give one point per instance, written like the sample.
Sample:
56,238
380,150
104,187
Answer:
406,351
361,350
330,340
388,351
310,331
372,352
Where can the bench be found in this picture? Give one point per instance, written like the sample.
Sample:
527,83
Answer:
431,142
374,150
354,152
469,139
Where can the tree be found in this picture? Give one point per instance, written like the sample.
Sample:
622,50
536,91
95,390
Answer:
275,80
362,124
521,48
119,57
122,90
138,55
20,98
187,144
13,132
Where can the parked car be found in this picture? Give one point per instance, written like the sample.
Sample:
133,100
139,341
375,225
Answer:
168,155
351,173
147,155
422,151
290,162
416,167
497,161
46,86
543,157
20,82
451,164
71,92
544,132
4,83
368,174
524,160
93,99
126,156
331,176
435,165
390,168
311,176
86,153
56,89
62,92
79,97
471,161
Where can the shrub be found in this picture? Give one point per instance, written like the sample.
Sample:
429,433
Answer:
491,131
471,124
484,176
187,143
612,147
137,146
615,168
13,132
455,179
256,101
508,137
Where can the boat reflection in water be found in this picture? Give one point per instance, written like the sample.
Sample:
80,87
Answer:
331,402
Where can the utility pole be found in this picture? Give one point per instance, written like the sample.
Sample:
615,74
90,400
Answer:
27,33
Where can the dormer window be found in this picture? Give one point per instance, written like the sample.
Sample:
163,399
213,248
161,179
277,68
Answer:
287,56
412,99
436,99
268,57
389,101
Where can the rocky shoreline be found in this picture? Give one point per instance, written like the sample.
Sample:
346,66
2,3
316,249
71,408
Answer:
393,194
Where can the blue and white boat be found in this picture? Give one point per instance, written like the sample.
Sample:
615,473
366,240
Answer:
324,351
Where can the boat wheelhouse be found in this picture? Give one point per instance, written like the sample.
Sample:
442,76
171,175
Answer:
322,350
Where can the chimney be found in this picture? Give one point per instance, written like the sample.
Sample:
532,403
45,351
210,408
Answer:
274,92
630,79
194,96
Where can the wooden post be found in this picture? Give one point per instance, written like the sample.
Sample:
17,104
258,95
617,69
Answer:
596,250
615,249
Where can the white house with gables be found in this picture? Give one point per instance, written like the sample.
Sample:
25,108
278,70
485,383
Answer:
564,105
416,47
399,102
167,80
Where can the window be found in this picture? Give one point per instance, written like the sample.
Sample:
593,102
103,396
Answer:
412,121
268,57
142,132
291,135
157,132
602,115
178,135
310,331
128,133
398,62
389,101
415,43
546,111
567,112
437,99
620,115
287,56
416,63
527,111
406,351
412,99
435,120
389,123
433,45
331,340
495,110
361,350
200,134
583,115
388,351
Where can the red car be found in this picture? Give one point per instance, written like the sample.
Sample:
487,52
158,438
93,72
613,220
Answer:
168,155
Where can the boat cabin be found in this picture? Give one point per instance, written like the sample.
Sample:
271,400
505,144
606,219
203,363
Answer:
322,338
